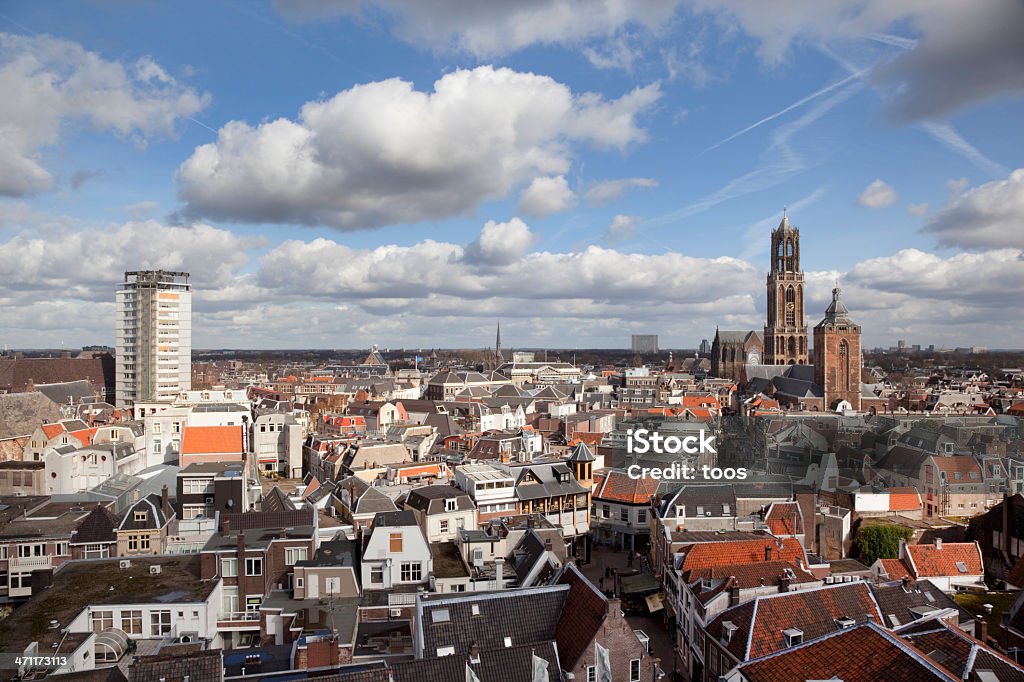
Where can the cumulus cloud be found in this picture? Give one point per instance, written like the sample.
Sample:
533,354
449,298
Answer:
600,193
447,294
384,153
501,243
48,82
623,228
986,217
546,195
877,195
917,210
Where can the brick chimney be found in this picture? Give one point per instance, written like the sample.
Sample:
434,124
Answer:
980,628
783,583
767,552
164,502
225,526
734,591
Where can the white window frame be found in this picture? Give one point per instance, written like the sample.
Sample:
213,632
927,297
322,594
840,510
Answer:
293,555
634,670
229,567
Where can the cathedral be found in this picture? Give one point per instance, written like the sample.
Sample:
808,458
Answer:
834,380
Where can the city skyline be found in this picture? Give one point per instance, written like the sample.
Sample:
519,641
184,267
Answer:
409,175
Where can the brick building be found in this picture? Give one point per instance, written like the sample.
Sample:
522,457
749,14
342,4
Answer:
837,355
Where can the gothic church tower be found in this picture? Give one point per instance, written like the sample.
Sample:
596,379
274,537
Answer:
785,334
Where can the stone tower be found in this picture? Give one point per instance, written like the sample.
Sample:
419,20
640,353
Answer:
785,334
837,355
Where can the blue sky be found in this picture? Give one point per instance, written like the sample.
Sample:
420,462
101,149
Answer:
337,173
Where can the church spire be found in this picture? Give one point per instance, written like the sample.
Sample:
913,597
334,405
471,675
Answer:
498,357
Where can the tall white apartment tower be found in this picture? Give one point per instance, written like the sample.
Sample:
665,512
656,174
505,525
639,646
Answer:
154,336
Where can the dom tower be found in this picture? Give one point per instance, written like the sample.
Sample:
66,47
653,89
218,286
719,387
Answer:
785,334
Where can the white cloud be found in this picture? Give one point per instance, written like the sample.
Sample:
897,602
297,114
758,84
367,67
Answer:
623,228
501,243
600,193
986,217
48,82
487,30
383,153
546,195
877,195
917,210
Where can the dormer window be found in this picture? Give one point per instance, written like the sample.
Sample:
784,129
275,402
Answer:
793,636
141,516
451,504
728,630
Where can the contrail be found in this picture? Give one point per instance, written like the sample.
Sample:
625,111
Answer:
800,102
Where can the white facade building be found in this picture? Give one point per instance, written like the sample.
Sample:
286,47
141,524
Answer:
154,336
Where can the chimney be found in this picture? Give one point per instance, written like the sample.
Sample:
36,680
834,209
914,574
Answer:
165,505
938,544
547,544
225,526
767,552
783,583
474,652
499,572
870,617
981,629
241,542
65,355
734,591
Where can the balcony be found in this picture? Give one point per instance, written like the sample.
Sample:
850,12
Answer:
29,563
239,620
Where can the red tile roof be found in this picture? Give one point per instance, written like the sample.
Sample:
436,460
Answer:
208,440
53,430
755,574
784,518
583,615
814,611
904,499
895,569
618,486
712,554
85,436
965,466
861,654
927,561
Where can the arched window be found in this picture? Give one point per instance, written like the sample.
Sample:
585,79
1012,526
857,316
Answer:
790,307
792,347
789,248
843,380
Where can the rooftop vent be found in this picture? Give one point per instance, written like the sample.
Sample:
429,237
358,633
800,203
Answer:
845,622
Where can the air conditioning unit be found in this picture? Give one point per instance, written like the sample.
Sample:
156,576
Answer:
395,613
125,563
154,570
209,500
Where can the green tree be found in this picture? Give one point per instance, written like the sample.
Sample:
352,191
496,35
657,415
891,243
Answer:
880,542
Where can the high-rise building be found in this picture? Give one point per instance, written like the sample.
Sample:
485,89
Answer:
645,343
154,336
785,334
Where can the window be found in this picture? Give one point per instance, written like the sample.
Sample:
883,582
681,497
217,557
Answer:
395,543
131,622
191,511
641,515
412,571
62,549
376,575
158,447
156,427
634,670
451,504
254,566
138,543
229,568
293,555
102,620
159,623
606,511
196,486
141,515
25,551
299,582
444,525
591,674
623,514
